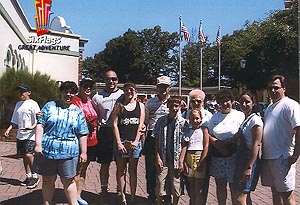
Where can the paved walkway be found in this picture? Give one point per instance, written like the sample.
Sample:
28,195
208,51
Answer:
13,194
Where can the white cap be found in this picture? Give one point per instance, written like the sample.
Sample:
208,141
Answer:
164,80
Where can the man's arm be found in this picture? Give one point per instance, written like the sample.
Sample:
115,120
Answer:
292,159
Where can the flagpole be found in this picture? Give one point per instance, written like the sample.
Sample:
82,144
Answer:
202,41
180,23
219,59
201,69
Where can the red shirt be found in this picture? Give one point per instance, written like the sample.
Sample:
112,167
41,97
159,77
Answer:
90,116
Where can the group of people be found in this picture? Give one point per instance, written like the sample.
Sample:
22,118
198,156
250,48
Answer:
179,145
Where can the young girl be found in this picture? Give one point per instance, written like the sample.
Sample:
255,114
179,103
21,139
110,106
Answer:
193,154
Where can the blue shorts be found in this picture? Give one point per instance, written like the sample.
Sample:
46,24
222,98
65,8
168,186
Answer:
134,154
241,166
65,168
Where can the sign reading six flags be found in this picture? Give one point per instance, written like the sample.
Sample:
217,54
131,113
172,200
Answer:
42,9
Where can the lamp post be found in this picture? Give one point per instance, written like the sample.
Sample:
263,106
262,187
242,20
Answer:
242,66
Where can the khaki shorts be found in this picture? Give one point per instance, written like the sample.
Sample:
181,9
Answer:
276,173
193,161
168,182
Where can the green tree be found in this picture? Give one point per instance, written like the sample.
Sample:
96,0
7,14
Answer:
42,87
138,56
269,47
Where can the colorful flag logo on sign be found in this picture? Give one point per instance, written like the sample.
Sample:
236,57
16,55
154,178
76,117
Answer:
42,17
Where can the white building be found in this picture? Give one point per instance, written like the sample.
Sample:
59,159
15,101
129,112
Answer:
57,53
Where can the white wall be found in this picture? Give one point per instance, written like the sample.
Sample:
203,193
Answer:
16,31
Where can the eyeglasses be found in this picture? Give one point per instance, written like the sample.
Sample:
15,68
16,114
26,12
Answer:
276,88
175,105
129,89
194,101
111,79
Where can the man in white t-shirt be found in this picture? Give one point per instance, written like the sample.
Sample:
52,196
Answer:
281,143
105,100
24,117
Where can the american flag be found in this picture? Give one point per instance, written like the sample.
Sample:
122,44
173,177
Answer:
186,33
218,39
201,35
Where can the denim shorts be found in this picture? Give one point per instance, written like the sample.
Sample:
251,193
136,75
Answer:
65,168
134,154
250,185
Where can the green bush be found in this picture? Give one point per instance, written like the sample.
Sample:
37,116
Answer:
43,89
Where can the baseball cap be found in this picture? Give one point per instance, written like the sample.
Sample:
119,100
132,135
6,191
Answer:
164,80
24,88
87,81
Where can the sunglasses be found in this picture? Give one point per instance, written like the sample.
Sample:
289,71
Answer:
194,101
111,79
276,88
129,89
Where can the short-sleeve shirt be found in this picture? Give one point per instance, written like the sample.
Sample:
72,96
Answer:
224,126
62,128
24,116
247,125
155,108
193,138
90,116
280,119
105,102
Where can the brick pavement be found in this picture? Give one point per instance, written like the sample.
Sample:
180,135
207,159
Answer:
13,194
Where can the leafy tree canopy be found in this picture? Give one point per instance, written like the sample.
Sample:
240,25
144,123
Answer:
42,87
138,56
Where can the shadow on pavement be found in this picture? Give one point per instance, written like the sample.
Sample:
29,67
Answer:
13,156
113,199
14,182
35,198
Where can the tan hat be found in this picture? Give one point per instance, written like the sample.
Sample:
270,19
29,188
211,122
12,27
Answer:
164,80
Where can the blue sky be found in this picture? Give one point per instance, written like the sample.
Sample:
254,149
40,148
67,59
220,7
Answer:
102,20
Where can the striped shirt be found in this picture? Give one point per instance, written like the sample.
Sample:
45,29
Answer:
155,108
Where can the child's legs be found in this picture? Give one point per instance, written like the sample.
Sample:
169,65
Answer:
193,192
199,185
26,149
162,175
175,184
28,162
